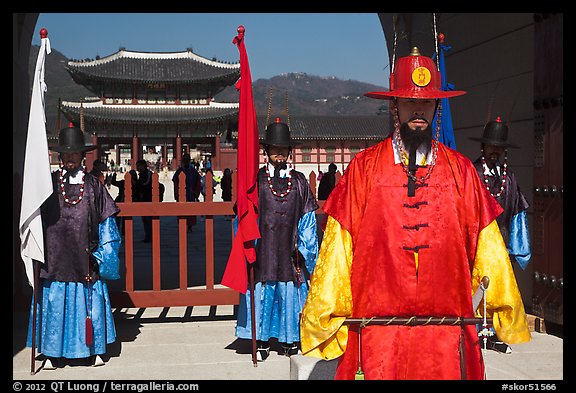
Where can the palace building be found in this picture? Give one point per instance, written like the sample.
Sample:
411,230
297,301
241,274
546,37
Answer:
166,101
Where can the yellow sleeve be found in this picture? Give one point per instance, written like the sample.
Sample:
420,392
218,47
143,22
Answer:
329,301
503,300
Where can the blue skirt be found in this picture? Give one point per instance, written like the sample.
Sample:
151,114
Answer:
278,307
61,320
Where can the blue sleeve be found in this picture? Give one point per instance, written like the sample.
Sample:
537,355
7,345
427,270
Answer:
107,251
308,239
519,245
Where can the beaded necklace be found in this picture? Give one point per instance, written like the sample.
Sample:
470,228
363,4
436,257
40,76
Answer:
288,189
399,146
63,191
502,182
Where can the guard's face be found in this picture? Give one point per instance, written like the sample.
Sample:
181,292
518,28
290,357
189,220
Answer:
278,154
416,113
492,153
71,161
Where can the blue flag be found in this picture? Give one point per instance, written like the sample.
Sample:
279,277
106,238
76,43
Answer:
446,130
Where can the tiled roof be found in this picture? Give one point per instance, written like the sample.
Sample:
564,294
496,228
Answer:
151,114
144,67
119,121
307,128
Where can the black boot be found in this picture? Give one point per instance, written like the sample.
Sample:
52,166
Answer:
50,364
263,350
289,349
495,344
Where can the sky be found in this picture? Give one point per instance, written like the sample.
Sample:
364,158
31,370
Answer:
343,45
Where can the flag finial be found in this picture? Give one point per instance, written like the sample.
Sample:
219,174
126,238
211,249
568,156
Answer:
498,119
43,33
441,38
241,30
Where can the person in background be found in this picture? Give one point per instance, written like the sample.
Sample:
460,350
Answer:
226,185
204,180
120,196
501,182
193,185
142,192
327,182
152,159
98,169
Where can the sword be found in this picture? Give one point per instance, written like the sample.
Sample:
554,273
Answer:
414,321
478,296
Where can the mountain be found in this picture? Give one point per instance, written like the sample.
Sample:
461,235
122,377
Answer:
310,95
307,94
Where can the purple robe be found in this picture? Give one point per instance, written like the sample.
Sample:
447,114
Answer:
66,228
278,222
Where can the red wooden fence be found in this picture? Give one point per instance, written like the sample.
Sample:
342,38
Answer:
184,295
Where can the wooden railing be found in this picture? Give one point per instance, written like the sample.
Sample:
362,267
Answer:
184,295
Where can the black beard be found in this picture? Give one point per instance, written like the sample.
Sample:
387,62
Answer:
492,162
72,172
416,138
280,165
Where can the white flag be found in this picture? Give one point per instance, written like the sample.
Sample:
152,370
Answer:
36,179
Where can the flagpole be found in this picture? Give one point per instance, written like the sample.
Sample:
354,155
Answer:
253,315
36,268
236,275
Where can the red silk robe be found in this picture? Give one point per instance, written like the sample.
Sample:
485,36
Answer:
412,256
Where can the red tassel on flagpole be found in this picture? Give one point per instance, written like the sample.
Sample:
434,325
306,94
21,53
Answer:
88,331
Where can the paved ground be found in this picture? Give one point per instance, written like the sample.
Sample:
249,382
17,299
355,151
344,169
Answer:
198,343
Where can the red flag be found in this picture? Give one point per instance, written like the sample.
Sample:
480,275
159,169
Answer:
235,275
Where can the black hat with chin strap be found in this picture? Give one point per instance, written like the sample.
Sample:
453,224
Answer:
495,133
71,139
278,134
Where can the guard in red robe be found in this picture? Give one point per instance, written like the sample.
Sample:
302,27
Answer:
411,232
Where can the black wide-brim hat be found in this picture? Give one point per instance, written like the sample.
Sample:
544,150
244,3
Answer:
71,140
495,133
278,134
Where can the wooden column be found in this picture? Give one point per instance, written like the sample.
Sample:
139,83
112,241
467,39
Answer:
92,155
216,162
342,154
135,156
164,153
177,152
117,158
318,155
